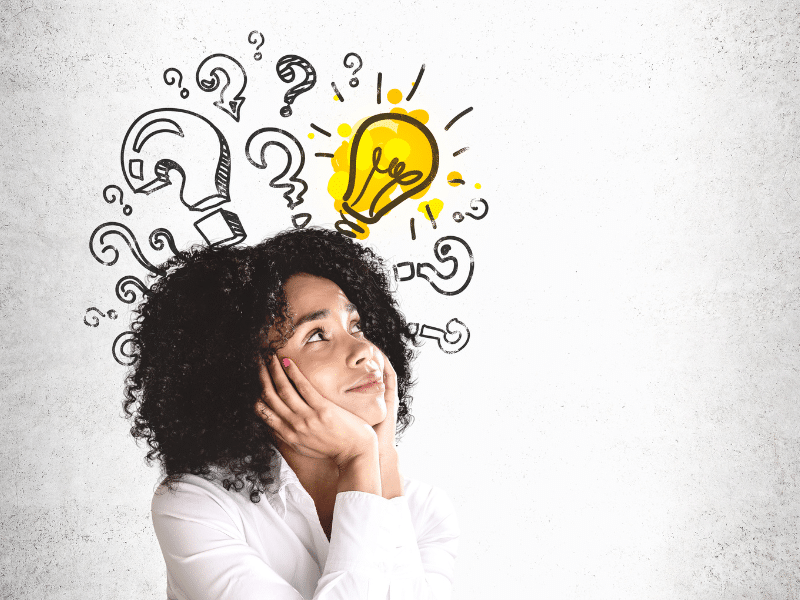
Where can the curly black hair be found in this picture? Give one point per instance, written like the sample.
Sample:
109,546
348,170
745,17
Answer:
200,333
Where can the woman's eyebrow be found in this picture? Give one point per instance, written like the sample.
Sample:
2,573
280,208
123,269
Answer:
321,314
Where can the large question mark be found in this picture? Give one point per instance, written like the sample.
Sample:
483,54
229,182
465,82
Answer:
453,338
169,79
284,68
262,139
250,39
354,80
458,217
209,77
165,141
429,273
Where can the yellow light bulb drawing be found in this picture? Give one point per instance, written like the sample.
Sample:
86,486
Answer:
388,150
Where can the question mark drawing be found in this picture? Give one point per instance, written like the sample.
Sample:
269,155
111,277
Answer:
439,281
453,338
112,193
458,217
354,80
169,79
272,136
112,314
209,76
285,70
253,40
166,143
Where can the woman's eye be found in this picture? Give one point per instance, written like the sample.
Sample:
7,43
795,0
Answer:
317,336
356,327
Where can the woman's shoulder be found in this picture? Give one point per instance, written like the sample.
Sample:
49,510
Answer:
190,496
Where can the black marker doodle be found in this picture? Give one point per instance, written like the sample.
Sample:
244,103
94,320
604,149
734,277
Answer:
430,215
296,220
395,170
458,217
112,314
430,274
354,80
324,154
169,79
112,193
457,181
159,236
126,294
221,228
397,268
170,140
453,338
413,233
464,149
253,40
99,236
284,68
121,355
320,130
380,78
416,83
272,136
457,117
209,77
338,93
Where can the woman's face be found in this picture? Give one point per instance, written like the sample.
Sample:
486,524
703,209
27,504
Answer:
329,348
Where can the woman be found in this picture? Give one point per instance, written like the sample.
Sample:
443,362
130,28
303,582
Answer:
270,384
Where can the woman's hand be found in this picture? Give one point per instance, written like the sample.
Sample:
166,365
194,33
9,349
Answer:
306,421
386,429
391,479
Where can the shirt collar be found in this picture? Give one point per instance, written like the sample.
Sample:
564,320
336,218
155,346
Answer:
286,478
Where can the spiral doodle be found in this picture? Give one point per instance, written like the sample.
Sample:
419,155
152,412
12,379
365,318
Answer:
119,351
161,235
99,236
126,294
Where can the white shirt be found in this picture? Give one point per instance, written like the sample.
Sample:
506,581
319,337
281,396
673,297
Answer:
217,544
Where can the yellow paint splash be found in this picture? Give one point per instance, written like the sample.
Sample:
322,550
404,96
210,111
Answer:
311,136
453,175
436,207
399,141
477,186
394,96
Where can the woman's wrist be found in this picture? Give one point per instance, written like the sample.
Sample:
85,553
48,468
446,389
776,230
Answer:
361,472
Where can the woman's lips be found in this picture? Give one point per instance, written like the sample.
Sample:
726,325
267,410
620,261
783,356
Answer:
374,385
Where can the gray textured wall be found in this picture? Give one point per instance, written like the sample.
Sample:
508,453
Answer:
624,420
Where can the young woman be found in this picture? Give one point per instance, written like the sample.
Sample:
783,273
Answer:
270,384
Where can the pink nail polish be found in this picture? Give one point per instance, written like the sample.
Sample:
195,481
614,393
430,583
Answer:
286,362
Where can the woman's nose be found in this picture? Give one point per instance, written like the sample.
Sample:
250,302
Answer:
360,351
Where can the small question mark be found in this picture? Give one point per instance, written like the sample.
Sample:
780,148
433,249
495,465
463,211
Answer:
219,68
429,273
112,314
354,80
285,71
453,338
169,79
113,192
252,40
458,217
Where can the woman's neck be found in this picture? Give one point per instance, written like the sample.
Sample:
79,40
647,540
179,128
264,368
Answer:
319,477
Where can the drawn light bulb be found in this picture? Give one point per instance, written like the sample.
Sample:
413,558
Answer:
388,150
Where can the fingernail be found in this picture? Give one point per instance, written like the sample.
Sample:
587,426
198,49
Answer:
286,362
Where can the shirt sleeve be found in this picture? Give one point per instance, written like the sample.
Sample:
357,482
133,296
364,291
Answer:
377,551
